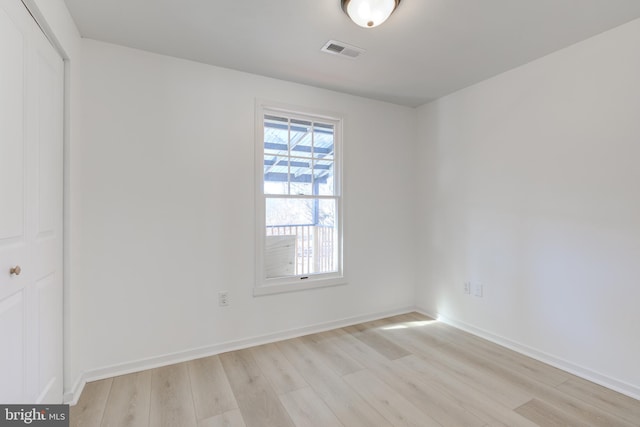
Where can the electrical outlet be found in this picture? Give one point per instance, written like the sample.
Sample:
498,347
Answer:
467,288
223,299
478,290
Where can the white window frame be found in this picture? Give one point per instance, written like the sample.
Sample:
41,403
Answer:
267,286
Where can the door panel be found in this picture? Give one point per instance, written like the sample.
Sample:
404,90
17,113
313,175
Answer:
49,304
46,246
49,135
31,137
11,130
12,357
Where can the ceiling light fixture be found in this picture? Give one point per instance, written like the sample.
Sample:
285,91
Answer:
369,13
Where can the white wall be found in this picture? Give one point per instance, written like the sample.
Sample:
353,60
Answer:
168,209
531,186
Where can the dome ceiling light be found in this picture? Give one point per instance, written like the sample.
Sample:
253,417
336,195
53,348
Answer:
369,13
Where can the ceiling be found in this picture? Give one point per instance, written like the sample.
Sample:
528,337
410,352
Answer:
427,48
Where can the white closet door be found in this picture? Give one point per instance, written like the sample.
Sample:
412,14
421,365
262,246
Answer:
31,137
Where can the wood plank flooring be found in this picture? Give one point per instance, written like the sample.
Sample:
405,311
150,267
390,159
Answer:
405,370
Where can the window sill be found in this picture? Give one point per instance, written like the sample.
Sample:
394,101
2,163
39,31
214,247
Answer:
267,289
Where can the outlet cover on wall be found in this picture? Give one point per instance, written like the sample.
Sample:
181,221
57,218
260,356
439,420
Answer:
223,299
467,288
478,290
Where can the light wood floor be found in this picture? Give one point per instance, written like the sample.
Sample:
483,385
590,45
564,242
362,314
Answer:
406,370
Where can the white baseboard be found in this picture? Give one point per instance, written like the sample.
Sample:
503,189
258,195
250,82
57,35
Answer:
71,396
587,374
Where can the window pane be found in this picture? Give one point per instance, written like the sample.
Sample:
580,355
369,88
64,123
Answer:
275,119
276,178
301,237
326,213
286,212
301,138
276,135
323,178
326,235
301,179
323,141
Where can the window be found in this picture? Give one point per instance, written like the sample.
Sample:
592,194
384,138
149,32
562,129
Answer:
299,221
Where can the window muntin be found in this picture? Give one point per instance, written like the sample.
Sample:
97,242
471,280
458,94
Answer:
299,216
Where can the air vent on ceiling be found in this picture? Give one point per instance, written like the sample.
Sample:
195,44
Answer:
342,49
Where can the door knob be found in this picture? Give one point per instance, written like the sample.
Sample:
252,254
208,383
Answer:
15,270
